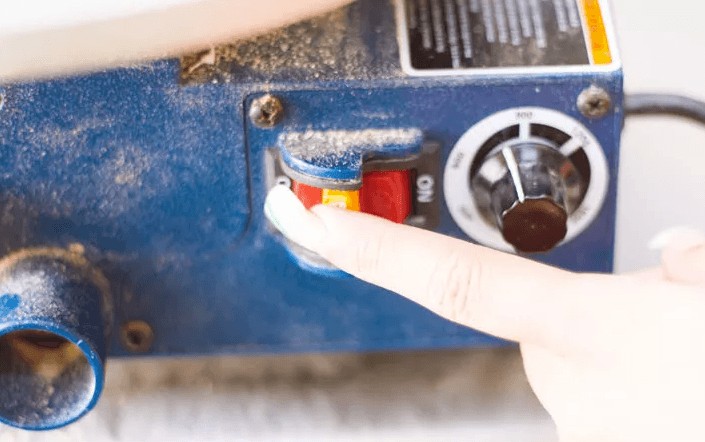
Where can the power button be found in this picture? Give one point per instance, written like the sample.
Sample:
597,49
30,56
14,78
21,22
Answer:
386,194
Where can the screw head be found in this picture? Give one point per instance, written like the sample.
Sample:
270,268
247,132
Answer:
136,336
594,102
266,111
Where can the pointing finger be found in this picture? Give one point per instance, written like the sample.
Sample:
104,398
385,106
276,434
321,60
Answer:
497,293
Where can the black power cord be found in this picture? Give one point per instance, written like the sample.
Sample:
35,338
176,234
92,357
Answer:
665,104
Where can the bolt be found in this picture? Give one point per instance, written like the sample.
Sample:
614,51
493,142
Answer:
137,336
594,102
266,111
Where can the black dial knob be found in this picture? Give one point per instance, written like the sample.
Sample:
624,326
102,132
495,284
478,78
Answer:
535,225
524,189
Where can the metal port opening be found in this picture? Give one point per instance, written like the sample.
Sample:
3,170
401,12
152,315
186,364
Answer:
46,379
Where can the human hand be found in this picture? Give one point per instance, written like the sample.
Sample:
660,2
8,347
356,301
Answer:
612,358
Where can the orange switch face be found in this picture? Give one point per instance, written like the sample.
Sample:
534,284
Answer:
344,199
386,194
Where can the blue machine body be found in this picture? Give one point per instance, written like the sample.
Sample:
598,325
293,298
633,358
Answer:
161,177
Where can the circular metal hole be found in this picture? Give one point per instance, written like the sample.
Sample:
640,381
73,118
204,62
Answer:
46,379
137,336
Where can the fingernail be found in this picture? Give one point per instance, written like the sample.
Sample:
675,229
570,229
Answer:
677,238
286,212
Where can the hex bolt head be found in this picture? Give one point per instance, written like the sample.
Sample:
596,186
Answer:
136,336
594,102
266,111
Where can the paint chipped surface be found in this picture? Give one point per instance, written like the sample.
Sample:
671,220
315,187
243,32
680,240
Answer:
37,282
8,303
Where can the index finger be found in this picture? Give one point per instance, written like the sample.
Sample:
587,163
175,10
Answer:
497,293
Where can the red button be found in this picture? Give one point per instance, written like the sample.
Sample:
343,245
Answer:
308,195
386,194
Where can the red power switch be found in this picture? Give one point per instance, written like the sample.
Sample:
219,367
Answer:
386,194
308,195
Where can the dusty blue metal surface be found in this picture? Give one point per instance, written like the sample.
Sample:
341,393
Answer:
337,156
55,315
162,182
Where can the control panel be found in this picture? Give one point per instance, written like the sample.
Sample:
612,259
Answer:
131,200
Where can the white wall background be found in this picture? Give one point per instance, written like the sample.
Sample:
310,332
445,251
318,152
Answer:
663,160
477,395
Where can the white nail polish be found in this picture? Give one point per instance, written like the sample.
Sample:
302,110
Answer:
286,212
680,238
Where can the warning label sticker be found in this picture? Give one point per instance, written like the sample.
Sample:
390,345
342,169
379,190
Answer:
464,34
